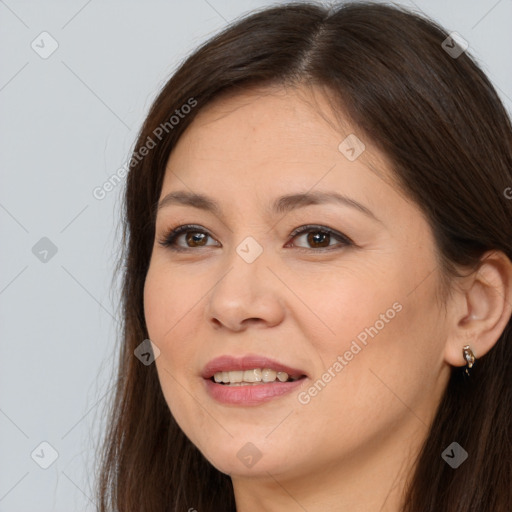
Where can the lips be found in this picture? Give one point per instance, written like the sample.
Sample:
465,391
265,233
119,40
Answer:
254,393
248,362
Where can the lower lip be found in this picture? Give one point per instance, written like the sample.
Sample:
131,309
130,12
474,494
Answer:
252,394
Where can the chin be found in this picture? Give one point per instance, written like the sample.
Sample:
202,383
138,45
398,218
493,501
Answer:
240,456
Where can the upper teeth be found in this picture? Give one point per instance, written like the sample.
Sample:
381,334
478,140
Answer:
256,375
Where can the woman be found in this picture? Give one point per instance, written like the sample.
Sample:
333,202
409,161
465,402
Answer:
318,245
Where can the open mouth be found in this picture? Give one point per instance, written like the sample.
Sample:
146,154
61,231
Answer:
253,377
250,380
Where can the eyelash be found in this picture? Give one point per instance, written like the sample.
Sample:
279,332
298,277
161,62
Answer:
169,239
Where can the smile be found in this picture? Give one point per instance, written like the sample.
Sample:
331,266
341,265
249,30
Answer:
249,380
251,377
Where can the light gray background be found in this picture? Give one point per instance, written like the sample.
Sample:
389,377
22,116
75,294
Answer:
67,123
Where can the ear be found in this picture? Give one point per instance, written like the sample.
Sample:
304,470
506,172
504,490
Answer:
481,308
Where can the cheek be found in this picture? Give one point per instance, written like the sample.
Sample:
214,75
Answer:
171,313
167,320
170,319
167,303
155,300
383,339
350,307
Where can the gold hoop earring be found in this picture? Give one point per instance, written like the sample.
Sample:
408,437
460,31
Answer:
470,358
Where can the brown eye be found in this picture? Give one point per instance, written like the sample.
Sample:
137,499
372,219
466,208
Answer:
317,238
194,237
320,237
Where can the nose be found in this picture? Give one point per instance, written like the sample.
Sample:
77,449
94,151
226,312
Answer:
246,294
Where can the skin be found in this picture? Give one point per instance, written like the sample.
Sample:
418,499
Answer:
350,447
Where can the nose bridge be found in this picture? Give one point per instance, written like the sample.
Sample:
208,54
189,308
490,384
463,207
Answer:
246,290
248,273
250,250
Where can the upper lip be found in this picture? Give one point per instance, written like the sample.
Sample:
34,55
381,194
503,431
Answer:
248,362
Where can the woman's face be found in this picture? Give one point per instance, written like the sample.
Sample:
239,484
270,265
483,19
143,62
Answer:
348,306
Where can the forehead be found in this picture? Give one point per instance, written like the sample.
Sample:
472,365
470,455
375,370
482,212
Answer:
268,134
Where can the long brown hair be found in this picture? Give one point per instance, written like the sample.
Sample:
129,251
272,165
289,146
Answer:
439,121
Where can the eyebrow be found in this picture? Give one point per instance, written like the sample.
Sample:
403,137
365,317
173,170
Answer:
282,204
